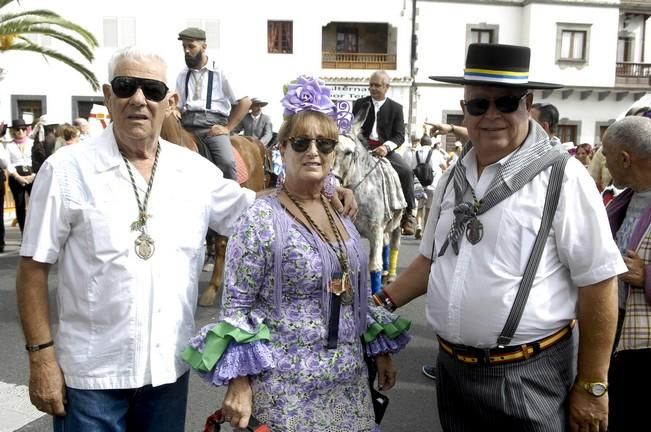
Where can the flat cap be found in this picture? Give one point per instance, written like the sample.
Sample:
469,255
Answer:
192,33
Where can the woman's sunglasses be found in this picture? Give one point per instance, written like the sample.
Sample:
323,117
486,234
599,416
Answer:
301,144
504,104
125,87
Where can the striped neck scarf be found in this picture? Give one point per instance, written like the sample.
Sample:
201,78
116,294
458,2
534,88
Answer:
533,156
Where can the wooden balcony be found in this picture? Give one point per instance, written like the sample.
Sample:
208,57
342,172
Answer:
629,73
371,61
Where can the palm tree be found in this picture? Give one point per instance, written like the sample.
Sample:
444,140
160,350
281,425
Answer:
16,27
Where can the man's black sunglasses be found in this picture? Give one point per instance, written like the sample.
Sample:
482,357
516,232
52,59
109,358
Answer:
504,104
324,145
125,87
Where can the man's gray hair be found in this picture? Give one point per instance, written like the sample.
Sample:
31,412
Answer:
383,76
633,133
133,53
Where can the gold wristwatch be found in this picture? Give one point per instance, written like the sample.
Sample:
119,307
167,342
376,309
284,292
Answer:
596,389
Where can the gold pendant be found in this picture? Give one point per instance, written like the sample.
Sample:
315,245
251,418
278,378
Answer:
338,283
144,246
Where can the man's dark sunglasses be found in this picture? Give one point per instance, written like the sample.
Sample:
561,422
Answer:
504,104
125,87
324,145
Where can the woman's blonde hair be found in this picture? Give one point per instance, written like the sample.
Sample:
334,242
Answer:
299,123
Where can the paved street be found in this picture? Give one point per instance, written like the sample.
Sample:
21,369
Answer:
412,404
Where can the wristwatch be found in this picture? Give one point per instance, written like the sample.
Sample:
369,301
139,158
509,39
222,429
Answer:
596,389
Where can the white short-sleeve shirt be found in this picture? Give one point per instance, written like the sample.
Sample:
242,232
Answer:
123,321
471,294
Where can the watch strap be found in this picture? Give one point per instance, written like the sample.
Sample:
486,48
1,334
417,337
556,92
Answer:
34,348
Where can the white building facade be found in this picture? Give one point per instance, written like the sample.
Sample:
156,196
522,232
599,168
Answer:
599,49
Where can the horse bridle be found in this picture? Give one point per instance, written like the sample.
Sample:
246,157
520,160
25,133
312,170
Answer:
365,176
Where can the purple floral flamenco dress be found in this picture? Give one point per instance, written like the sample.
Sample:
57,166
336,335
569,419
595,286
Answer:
273,326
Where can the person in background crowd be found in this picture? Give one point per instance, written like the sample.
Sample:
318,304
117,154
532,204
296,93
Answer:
438,164
4,163
547,116
84,128
506,355
627,149
584,154
21,175
70,134
255,123
599,171
45,136
294,366
383,132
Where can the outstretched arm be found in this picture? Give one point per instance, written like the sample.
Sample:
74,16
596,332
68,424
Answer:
460,132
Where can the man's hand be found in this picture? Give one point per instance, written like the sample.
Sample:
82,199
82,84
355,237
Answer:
380,151
587,412
238,402
636,272
386,372
217,130
344,202
47,390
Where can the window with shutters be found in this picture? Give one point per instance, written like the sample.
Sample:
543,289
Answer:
280,37
572,43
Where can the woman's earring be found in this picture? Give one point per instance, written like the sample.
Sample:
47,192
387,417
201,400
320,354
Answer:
329,185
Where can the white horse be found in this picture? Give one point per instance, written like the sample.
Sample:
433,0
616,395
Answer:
376,187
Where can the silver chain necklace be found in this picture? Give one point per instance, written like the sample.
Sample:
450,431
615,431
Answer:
144,244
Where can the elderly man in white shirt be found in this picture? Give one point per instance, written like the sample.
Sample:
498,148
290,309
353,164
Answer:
128,261
505,322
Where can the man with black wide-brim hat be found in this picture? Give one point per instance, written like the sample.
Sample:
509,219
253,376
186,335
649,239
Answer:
518,247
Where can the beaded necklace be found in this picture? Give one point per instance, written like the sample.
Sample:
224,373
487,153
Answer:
340,286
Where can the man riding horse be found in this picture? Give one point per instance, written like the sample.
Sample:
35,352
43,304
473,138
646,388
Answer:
205,101
383,132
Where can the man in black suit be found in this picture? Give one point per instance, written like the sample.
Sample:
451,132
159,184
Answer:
385,135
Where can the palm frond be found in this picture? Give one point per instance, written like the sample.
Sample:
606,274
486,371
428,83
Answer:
83,48
22,23
87,73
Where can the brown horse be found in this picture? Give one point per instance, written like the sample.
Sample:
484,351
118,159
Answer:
252,152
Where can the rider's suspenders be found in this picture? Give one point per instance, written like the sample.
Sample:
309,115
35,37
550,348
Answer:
208,89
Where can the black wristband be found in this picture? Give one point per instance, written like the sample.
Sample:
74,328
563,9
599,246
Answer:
34,348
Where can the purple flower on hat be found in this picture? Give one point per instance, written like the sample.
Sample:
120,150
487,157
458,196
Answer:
307,94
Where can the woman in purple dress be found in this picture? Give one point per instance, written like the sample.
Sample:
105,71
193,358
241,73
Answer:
297,316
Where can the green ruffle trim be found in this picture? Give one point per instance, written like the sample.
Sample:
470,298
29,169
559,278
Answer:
392,329
217,340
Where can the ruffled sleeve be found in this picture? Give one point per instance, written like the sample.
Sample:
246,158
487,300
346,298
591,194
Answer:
386,332
237,344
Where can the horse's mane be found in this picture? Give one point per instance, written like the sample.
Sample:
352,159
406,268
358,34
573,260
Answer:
173,132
